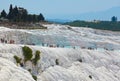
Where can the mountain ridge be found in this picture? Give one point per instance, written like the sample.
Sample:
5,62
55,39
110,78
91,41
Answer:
99,15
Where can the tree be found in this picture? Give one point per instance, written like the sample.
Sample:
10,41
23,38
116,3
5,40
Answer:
15,14
29,18
24,16
15,11
34,17
19,14
11,8
41,17
3,14
10,14
114,19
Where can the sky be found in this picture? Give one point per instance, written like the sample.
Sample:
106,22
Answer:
59,8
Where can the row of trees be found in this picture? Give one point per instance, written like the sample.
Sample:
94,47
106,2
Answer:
103,25
18,14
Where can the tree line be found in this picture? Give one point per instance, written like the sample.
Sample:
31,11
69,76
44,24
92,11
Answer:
19,14
112,25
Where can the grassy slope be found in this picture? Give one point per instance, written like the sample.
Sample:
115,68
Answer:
103,25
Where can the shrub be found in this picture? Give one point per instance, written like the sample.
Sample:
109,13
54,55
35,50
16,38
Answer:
18,60
57,62
34,77
29,70
21,64
27,52
80,60
37,57
90,76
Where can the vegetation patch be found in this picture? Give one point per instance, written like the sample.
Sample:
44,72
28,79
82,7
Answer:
57,62
29,70
37,57
90,76
18,60
112,25
34,77
27,53
80,60
19,14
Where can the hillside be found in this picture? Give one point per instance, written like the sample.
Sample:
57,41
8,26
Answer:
66,54
102,25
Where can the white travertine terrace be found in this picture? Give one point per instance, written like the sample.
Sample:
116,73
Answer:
75,64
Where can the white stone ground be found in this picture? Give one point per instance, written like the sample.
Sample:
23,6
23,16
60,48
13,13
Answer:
76,64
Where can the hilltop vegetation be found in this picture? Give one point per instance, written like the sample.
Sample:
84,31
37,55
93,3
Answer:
19,18
19,14
112,25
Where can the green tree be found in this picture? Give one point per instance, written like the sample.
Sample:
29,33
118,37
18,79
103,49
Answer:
3,14
27,52
29,18
24,16
41,17
11,8
15,14
18,14
34,18
114,19
10,14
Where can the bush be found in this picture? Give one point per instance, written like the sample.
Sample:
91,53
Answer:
90,76
80,60
27,52
18,60
57,62
34,77
29,70
37,57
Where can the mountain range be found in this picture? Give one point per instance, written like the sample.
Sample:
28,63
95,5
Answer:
99,15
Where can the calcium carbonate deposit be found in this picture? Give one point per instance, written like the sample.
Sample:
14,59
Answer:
66,54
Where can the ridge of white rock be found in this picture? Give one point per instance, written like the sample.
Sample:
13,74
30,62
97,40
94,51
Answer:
10,72
64,36
101,63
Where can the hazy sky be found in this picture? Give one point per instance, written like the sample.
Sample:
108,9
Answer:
61,7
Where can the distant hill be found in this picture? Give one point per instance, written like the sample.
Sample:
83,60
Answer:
103,25
102,15
99,15
102,20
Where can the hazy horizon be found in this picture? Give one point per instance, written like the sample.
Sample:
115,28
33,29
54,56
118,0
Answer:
71,10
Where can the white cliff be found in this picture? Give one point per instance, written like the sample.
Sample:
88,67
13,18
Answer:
101,66
10,72
101,63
